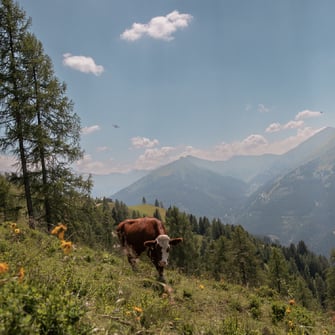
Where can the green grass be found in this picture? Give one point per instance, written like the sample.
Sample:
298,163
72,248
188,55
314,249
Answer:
95,292
148,210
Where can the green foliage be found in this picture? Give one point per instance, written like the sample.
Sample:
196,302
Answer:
26,309
93,291
278,312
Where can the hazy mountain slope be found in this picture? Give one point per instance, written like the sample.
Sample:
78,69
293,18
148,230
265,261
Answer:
297,206
292,195
189,187
240,167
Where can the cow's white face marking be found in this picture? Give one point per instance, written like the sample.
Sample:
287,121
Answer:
163,242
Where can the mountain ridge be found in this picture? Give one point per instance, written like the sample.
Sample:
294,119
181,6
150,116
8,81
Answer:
203,188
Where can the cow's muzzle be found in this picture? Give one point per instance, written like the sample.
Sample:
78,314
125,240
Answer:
162,264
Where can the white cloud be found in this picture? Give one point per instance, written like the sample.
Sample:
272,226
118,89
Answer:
88,165
297,123
7,163
262,109
152,158
294,124
82,64
90,130
273,128
143,142
159,27
305,114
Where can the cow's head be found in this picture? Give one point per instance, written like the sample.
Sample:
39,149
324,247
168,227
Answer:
159,249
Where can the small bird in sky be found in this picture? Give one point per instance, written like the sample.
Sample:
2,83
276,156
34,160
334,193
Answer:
115,126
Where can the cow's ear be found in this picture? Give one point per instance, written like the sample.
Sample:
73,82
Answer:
174,241
150,244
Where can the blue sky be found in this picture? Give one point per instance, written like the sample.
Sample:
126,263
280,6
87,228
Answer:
211,79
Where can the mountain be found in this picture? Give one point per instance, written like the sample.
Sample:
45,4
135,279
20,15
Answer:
289,196
192,189
297,206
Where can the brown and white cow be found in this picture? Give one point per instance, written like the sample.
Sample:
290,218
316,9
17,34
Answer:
136,235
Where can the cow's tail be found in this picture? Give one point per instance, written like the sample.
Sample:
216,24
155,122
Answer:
120,234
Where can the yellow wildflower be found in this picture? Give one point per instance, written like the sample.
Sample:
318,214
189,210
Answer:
21,274
288,310
291,302
3,267
66,246
17,231
201,287
13,225
138,309
59,231
290,324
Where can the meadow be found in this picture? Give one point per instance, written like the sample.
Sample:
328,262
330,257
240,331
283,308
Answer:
49,285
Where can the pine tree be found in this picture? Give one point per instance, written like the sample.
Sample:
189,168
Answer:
186,254
243,263
15,114
157,214
55,131
330,280
278,271
37,118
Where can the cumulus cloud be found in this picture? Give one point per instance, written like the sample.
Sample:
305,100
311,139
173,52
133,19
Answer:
297,123
273,127
294,124
159,27
305,114
90,130
152,158
88,165
82,64
143,142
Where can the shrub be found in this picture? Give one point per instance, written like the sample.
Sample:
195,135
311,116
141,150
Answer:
27,310
278,312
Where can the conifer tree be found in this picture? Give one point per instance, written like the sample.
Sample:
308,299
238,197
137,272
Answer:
39,126
15,115
278,271
185,255
55,130
330,280
243,263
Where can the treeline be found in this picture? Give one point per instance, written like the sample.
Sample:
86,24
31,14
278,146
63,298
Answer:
224,252
229,253
211,248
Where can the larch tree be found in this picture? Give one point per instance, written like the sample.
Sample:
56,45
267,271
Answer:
15,116
37,120
55,130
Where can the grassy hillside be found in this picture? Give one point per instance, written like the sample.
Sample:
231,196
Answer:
148,210
53,287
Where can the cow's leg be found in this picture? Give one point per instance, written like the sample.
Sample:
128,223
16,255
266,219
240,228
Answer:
132,261
160,270
132,257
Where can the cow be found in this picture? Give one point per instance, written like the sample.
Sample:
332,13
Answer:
136,235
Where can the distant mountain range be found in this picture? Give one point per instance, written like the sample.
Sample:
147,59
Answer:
288,197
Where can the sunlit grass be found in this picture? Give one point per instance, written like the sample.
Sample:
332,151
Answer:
82,291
